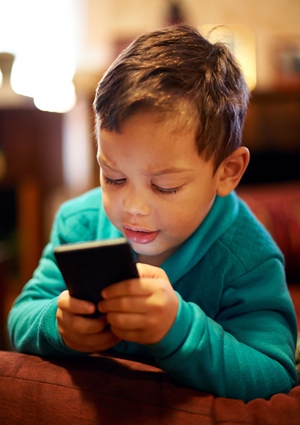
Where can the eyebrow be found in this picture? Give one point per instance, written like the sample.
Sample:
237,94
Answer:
103,161
159,172
173,170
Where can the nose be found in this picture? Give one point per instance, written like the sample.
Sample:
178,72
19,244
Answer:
135,202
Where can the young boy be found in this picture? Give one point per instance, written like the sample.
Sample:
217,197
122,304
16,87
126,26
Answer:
211,306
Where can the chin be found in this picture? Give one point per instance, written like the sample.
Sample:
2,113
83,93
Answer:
152,255
143,249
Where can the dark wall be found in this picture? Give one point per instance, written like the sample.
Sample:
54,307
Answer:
31,143
272,133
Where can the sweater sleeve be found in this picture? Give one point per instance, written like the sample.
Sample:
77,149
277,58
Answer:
246,351
32,322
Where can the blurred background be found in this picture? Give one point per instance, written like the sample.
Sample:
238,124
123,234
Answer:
53,53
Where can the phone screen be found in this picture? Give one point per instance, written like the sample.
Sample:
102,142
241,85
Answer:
89,267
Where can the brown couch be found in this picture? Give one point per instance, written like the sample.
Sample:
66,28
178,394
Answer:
107,390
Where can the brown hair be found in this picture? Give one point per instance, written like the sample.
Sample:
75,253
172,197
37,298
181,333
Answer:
176,65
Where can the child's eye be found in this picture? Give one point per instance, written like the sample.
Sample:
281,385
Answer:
168,191
107,180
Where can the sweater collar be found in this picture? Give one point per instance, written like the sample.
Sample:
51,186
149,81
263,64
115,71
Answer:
220,217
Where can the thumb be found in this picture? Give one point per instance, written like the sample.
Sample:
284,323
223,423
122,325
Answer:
146,270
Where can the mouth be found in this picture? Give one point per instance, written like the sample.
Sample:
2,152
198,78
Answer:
140,236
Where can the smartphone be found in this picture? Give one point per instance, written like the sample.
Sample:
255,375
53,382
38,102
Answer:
89,267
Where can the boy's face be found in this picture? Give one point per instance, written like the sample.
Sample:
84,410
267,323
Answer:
156,188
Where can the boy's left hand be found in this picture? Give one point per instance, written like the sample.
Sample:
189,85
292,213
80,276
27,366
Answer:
141,310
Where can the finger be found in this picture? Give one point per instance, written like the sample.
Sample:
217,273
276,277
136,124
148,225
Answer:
148,271
130,287
133,304
73,323
92,343
74,305
139,297
126,322
133,335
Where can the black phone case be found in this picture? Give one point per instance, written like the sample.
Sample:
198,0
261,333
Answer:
89,267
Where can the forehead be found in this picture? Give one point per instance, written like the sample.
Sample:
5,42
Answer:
173,108
149,125
150,143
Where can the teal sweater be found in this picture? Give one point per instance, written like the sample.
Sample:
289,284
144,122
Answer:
235,331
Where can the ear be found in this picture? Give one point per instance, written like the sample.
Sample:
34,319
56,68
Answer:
231,170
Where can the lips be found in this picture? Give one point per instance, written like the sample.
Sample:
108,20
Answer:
140,236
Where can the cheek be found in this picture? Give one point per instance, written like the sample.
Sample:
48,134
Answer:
110,204
175,217
189,214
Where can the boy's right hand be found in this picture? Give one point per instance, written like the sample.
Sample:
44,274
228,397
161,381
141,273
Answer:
79,332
